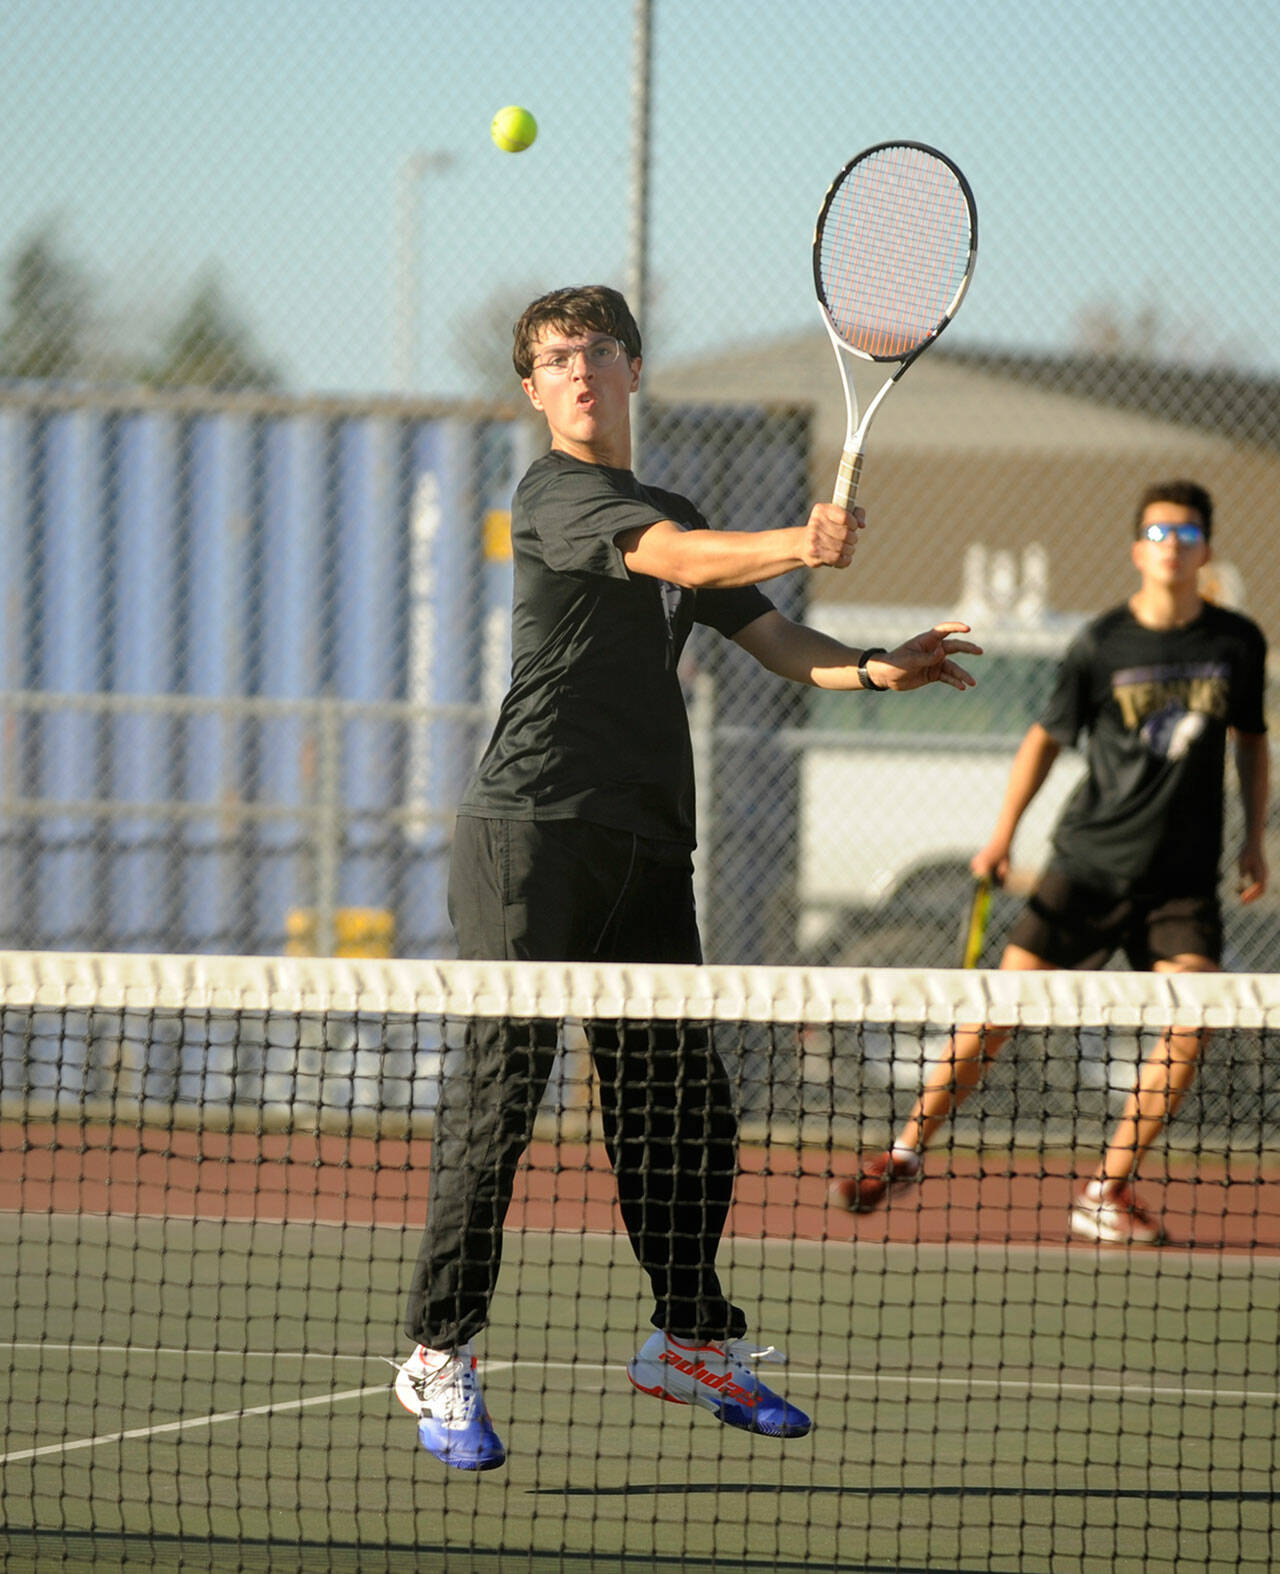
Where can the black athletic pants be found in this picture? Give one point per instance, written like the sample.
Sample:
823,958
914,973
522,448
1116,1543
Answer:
567,890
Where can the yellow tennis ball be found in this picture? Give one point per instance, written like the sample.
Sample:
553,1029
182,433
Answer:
513,129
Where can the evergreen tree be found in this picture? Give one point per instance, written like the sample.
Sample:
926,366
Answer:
481,342
47,310
209,347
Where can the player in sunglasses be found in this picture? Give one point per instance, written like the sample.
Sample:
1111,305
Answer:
1157,685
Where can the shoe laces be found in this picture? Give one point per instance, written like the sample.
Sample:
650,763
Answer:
743,1352
891,1166
1121,1201
452,1390
1125,1198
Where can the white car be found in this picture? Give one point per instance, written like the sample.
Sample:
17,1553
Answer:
898,792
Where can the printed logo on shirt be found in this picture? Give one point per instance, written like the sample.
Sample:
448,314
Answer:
1170,706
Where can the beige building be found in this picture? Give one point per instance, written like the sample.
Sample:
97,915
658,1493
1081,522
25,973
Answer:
1009,451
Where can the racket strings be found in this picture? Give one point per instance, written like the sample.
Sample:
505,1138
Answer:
895,248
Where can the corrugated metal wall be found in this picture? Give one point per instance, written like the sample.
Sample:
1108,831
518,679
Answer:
251,647
219,664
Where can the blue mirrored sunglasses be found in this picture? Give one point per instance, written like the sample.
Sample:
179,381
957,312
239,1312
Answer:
1184,535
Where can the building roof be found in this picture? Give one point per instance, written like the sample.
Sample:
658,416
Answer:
1007,450
965,402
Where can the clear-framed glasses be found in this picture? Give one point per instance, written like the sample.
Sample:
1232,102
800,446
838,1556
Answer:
598,354
1184,535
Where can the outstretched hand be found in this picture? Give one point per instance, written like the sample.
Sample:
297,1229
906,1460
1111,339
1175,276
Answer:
926,659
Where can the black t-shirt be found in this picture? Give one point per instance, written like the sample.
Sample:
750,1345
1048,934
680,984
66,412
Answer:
594,725
1156,704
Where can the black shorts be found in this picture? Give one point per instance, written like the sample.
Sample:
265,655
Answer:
570,891
1069,924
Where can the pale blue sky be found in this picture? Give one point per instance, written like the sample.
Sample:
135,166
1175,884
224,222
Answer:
1121,152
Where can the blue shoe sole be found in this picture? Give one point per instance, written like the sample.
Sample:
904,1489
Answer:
730,1415
744,1421
487,1456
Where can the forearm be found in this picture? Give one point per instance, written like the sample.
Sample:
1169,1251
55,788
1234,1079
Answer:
1253,771
1031,765
806,655
729,559
713,559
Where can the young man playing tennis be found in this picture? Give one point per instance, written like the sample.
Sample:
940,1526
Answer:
574,843
1157,684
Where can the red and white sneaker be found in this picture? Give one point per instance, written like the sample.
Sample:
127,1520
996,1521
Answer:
717,1376
874,1180
1111,1213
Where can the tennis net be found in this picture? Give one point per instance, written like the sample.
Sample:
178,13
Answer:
213,1178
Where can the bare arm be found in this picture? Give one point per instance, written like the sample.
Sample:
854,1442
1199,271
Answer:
1253,770
725,559
806,655
1031,765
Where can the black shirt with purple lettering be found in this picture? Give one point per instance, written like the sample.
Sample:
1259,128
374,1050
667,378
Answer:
1156,705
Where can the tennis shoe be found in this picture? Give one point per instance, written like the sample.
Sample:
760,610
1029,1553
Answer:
441,1389
874,1180
1114,1215
716,1375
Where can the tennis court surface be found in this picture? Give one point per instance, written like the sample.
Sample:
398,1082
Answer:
213,1179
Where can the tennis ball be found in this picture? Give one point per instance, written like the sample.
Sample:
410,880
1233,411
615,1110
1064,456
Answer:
513,129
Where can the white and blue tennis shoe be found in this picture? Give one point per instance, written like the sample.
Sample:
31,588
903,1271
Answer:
441,1389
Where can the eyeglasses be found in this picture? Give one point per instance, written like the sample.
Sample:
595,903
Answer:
597,355
1184,535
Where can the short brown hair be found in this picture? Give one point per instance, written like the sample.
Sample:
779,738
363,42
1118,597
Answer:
583,308
1187,494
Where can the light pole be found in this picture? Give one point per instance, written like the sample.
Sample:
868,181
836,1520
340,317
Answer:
641,78
408,270
638,265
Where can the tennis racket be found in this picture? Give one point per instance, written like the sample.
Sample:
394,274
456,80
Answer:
893,253
974,930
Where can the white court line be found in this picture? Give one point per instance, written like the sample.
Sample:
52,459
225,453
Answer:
970,1380
1266,1260
968,1383
187,1352
183,1426
1001,1385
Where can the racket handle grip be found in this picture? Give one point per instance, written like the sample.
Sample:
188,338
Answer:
975,931
847,478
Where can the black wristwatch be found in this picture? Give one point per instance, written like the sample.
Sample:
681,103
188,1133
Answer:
864,677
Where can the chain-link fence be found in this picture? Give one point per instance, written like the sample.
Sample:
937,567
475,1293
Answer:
258,437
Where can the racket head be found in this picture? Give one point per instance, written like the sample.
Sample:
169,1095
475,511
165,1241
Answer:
974,930
894,249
